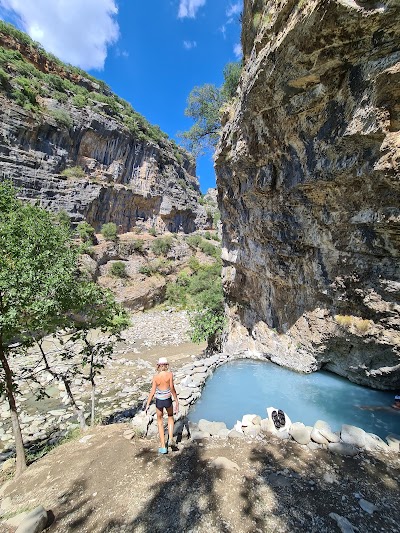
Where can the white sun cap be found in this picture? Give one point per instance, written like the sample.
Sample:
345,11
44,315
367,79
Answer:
162,361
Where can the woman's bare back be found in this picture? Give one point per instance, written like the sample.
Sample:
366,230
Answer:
163,380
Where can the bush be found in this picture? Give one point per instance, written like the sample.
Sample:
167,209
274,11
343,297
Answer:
73,172
176,295
85,231
209,249
109,231
152,231
118,269
62,117
194,240
80,101
137,246
161,246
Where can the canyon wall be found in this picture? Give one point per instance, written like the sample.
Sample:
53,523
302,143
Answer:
308,188
128,178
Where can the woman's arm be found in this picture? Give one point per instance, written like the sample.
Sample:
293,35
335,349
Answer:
152,392
173,392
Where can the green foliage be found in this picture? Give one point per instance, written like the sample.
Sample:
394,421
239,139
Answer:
63,217
152,231
73,172
176,296
159,266
62,117
80,101
4,79
137,246
232,73
194,263
194,240
203,106
85,231
161,246
118,269
109,231
216,217
209,249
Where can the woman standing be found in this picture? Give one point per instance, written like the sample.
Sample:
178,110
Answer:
163,389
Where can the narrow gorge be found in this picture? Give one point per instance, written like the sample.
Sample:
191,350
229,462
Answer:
308,184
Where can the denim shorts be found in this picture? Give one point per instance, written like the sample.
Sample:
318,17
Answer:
161,404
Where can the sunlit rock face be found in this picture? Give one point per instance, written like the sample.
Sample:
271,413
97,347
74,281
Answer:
308,185
128,179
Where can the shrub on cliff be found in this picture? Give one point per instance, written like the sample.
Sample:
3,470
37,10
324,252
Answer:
61,117
118,269
73,172
161,246
86,232
109,231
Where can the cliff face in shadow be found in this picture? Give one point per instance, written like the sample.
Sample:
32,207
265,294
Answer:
53,118
308,180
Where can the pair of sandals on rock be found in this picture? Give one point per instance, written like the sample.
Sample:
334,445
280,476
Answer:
278,418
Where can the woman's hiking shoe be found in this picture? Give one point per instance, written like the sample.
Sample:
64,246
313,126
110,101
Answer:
162,451
275,419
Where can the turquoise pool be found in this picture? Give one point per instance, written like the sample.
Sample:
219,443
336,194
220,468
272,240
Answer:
247,387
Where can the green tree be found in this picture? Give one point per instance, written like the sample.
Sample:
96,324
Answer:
109,231
203,106
41,291
86,232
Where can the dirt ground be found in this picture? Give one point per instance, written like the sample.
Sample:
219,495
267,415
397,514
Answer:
106,483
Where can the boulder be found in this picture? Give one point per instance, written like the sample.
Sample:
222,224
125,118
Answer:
375,443
34,522
317,437
329,435
342,448
393,441
247,420
223,433
199,435
267,425
353,435
224,463
252,431
213,428
300,433
185,393
233,434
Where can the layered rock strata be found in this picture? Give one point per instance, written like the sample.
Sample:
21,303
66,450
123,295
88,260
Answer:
308,180
128,178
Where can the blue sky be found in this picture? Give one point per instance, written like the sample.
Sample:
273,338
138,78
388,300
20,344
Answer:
152,53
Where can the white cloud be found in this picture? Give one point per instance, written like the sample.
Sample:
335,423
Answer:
223,30
189,44
76,31
237,50
234,9
189,8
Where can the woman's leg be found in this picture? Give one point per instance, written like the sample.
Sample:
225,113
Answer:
160,423
170,412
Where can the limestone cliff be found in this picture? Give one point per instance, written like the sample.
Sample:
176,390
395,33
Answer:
308,180
124,170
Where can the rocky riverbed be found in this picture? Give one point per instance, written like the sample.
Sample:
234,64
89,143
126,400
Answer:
120,389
